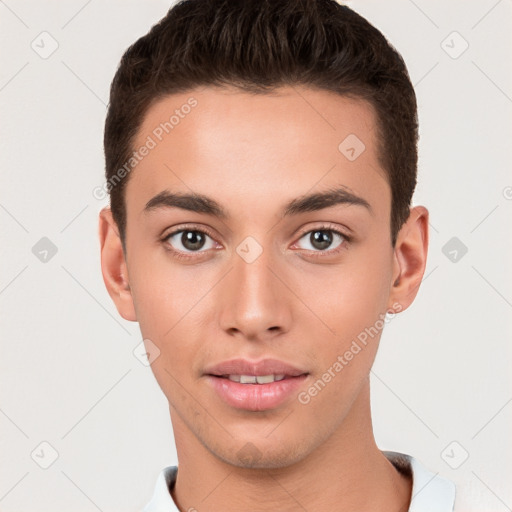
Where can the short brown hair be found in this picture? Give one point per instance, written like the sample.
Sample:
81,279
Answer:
256,46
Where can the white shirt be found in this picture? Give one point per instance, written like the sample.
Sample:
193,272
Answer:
430,492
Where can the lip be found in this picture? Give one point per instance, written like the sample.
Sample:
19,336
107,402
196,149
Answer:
255,397
246,367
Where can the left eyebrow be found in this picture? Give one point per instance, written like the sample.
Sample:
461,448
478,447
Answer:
200,203
326,199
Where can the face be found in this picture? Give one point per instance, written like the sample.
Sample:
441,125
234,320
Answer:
255,270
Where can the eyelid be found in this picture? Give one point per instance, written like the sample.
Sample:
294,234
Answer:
177,253
326,226
187,227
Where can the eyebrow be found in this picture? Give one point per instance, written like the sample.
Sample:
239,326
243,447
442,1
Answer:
200,203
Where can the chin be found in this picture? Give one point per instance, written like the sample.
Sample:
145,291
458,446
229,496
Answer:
261,454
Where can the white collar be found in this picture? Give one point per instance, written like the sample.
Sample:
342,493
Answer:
430,492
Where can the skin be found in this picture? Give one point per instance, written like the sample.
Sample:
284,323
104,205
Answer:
253,154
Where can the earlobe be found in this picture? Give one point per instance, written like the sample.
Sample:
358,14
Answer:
113,266
410,258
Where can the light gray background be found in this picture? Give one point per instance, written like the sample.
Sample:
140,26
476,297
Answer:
441,383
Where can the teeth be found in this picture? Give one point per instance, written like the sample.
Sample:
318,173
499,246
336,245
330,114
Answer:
264,379
255,379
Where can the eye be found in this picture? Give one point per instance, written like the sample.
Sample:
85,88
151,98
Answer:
189,240
322,239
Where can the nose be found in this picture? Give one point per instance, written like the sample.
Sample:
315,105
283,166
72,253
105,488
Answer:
255,303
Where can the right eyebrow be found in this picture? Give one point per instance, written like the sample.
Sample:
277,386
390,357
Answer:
193,202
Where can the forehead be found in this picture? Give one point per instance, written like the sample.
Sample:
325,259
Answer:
219,109
264,146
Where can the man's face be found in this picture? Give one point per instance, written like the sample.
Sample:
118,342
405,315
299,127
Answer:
259,284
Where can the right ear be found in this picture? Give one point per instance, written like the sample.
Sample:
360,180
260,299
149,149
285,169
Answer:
113,266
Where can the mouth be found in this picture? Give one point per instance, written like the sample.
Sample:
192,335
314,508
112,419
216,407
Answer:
257,379
254,372
255,386
256,392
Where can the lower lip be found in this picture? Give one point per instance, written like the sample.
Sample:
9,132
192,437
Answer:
255,397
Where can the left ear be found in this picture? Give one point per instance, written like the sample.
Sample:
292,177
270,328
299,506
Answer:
113,266
410,258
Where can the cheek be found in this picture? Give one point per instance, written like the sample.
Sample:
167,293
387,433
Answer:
353,305
164,293
170,305
350,297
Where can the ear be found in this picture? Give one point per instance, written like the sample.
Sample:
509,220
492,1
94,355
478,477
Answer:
113,266
410,258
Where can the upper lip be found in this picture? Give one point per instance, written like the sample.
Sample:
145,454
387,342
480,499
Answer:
246,367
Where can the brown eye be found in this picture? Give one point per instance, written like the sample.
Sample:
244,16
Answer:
189,240
323,239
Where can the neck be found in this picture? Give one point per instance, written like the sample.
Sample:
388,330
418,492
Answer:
347,470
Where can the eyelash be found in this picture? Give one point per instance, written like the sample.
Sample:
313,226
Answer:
315,254
179,254
330,252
